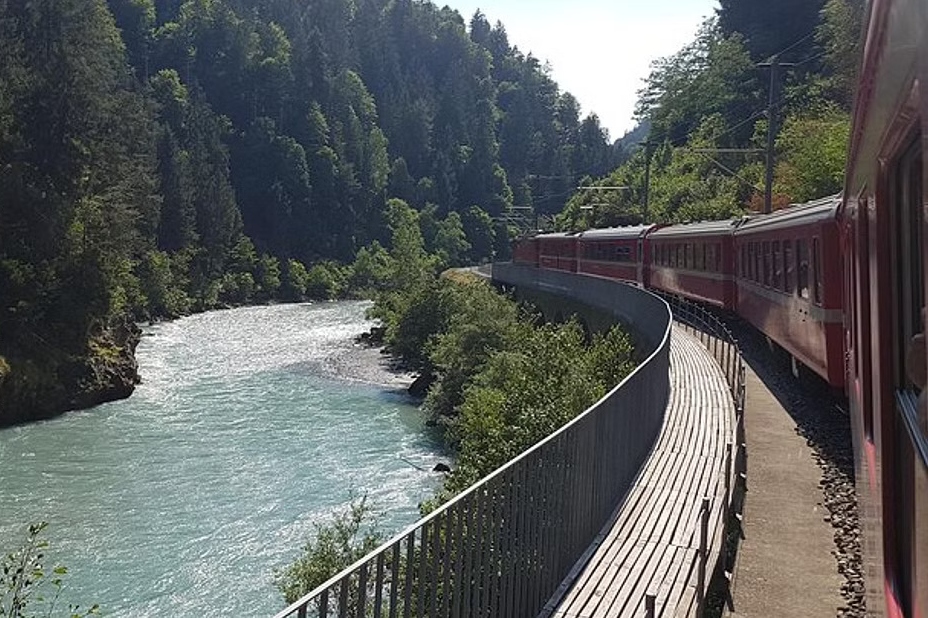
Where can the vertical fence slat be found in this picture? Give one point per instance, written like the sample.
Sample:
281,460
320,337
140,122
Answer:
435,572
343,597
410,573
488,549
422,571
324,604
378,587
703,556
460,585
394,580
362,592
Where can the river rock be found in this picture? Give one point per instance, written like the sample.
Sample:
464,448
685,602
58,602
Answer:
44,381
420,386
441,467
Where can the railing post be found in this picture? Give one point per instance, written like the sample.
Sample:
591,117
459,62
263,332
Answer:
650,601
703,556
361,610
728,472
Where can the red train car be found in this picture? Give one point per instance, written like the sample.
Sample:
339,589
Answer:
885,231
695,260
789,283
525,251
557,251
615,252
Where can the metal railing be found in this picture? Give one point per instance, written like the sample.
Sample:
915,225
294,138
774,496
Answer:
718,339
502,547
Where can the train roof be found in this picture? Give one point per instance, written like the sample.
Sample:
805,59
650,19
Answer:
702,228
616,233
794,214
556,236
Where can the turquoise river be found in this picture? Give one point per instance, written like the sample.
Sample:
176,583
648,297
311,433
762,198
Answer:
250,426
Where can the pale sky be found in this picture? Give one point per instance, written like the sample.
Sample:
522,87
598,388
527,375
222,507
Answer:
599,50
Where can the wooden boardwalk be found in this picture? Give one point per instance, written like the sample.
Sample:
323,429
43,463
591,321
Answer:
651,544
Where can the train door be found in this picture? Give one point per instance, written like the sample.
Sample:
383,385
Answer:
906,463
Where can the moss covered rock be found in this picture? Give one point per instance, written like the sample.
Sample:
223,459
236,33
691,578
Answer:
44,381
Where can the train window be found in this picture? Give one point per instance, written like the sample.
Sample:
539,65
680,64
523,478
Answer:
700,256
788,266
909,294
756,262
717,262
624,254
777,275
906,256
742,265
710,257
802,268
766,250
816,272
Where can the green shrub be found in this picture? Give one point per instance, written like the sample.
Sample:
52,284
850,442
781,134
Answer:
27,587
352,534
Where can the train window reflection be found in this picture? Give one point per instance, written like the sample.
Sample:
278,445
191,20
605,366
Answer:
802,268
766,251
909,290
777,266
788,266
816,272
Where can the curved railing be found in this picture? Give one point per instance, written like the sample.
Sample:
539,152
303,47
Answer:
502,547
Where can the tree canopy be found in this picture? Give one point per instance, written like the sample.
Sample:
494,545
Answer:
164,156
703,116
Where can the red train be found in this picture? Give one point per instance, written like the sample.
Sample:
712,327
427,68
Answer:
781,272
839,283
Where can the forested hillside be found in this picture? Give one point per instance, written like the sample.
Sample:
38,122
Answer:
705,114
165,156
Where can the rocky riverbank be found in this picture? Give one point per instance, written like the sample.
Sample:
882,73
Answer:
44,381
362,361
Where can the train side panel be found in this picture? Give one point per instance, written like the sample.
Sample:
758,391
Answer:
695,261
525,251
618,253
789,284
557,251
886,269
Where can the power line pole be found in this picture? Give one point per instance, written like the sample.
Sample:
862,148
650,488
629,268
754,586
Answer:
647,178
774,64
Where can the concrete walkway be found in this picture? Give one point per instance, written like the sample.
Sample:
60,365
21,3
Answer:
784,566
